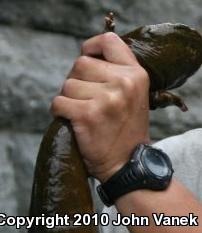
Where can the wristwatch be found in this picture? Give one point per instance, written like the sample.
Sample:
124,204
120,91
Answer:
148,168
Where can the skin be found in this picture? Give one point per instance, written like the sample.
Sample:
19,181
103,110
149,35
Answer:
108,106
93,97
161,48
60,181
171,53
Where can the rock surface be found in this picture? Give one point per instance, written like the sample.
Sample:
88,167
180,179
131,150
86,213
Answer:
18,154
39,41
84,18
33,66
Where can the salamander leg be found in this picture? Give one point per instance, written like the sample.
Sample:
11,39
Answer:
162,99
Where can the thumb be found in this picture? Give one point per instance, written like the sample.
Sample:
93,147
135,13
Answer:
111,47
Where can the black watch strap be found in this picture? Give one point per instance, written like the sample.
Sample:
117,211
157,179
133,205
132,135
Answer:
148,168
124,181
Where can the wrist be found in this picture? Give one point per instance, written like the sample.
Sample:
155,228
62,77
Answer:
103,177
148,168
112,167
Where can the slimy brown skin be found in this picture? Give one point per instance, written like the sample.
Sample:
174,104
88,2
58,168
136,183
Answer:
60,181
170,53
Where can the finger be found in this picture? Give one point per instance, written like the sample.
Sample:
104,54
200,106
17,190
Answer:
96,70
80,90
68,108
111,47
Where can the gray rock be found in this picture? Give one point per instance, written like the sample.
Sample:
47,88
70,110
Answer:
84,18
73,17
6,177
18,154
33,66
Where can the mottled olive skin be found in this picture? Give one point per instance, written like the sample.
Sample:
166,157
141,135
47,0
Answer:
169,52
60,181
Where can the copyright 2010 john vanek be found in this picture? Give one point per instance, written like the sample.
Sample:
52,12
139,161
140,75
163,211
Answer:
95,219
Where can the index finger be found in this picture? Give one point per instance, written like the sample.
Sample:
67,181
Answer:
111,47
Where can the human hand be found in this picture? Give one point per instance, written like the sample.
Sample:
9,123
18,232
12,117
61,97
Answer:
107,102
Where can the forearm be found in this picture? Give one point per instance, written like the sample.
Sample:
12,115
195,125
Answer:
175,201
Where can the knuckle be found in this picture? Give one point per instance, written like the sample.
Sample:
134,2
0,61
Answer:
143,76
67,86
136,80
84,46
128,86
80,64
114,101
55,105
144,73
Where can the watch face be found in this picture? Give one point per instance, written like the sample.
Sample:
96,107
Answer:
155,162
